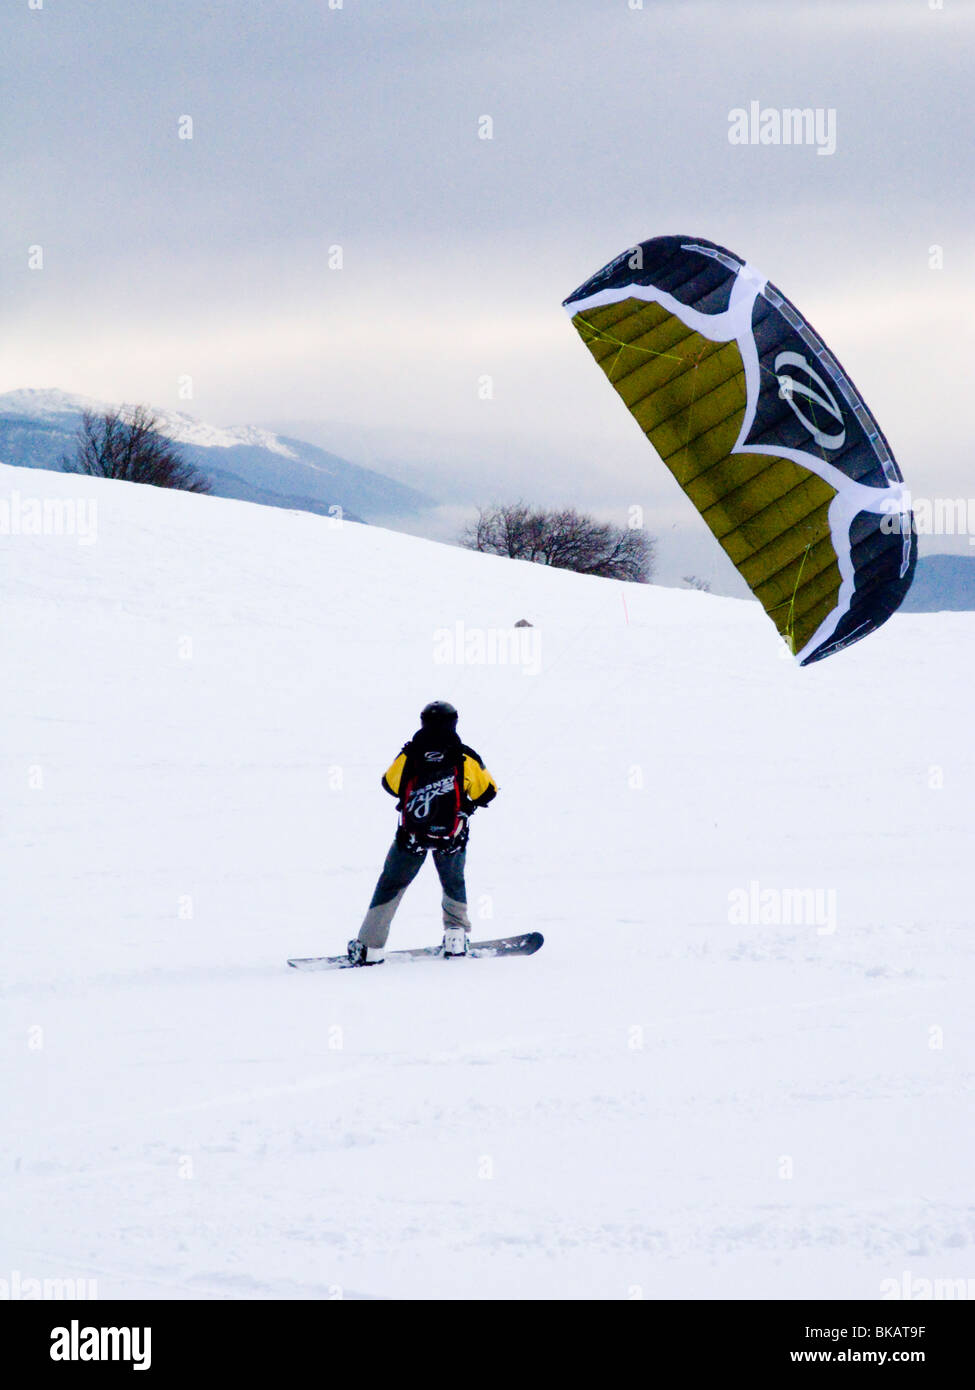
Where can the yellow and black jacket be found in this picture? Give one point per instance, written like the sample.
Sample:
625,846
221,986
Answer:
480,787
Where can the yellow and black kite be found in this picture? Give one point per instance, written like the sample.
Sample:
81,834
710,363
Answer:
763,430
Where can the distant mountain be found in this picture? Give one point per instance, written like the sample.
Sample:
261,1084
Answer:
253,465
942,584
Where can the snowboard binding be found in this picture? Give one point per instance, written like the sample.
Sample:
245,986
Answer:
455,942
360,954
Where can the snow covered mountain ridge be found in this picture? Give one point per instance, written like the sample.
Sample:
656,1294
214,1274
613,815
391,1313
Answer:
37,427
180,428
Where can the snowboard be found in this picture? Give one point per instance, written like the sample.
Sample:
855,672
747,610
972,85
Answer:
525,945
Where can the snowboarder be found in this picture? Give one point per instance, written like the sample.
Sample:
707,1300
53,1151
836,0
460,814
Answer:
439,782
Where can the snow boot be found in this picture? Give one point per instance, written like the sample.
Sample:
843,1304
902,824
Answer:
365,955
455,941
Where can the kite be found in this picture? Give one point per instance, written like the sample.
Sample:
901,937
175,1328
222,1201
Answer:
764,431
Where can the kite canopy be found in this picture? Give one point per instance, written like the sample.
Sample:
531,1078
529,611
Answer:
763,430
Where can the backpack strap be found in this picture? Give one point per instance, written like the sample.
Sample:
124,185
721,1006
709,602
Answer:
458,790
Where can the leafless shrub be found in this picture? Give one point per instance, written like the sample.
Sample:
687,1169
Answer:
564,539
126,444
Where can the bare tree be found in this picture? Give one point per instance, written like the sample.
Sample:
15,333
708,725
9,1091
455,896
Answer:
692,582
130,446
564,539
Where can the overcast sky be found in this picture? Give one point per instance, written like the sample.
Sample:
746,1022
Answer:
358,127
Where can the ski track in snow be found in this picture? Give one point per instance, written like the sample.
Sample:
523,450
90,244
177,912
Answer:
196,712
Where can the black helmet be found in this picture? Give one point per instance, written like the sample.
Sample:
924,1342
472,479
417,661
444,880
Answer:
439,715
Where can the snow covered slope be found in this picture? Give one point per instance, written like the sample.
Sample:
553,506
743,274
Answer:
679,1095
38,427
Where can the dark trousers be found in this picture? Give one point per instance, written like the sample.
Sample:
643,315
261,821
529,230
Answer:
399,871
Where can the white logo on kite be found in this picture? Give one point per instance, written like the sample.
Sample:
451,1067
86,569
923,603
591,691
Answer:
790,387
